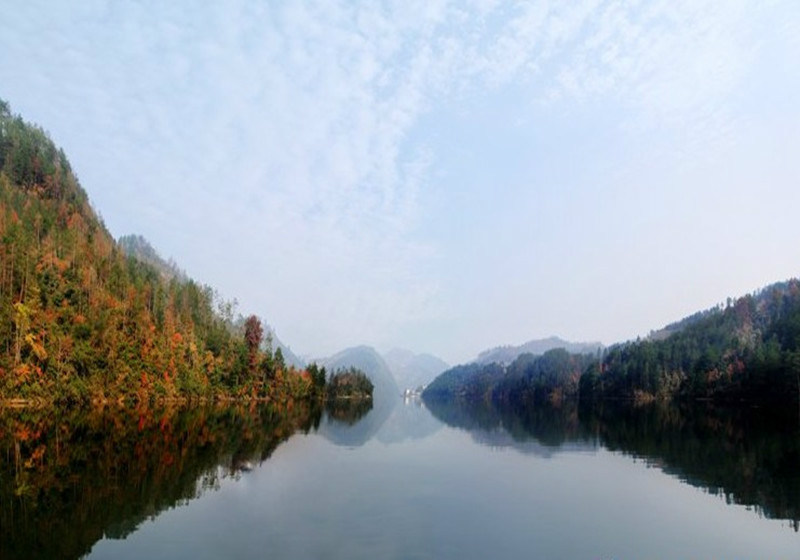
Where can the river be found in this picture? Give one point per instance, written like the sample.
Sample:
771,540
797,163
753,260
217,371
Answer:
401,480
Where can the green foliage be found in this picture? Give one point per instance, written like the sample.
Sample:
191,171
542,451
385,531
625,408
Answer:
742,351
529,378
318,380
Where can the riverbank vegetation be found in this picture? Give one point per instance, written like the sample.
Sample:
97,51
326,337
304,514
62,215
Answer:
349,383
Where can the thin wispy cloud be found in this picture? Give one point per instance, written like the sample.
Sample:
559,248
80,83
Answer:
302,156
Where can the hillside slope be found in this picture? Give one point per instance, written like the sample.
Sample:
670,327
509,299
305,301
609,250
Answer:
80,319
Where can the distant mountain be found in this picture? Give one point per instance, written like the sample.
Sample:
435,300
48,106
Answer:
289,357
370,362
506,354
385,396
408,421
412,370
139,248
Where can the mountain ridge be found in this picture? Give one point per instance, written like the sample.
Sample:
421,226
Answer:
506,354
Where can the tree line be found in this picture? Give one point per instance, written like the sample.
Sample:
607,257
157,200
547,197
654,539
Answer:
746,349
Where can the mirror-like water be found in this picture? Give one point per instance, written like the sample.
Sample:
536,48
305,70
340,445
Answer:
405,481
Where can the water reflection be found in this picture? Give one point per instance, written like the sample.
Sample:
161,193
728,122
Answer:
409,421
347,411
67,478
342,428
751,456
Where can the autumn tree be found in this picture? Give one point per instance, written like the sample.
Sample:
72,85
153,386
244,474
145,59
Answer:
253,335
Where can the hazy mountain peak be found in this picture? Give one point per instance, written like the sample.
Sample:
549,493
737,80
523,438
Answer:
413,370
138,247
508,353
368,360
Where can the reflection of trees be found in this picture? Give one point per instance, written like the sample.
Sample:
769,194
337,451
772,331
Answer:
74,476
348,411
549,425
748,455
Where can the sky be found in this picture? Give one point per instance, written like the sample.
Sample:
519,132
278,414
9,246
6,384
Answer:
440,176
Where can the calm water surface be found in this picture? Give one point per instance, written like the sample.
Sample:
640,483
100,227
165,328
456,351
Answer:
404,481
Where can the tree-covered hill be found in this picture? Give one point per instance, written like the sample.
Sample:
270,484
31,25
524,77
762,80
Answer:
82,319
140,248
748,349
553,375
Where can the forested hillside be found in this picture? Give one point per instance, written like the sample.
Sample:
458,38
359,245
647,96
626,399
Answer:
552,376
81,320
748,349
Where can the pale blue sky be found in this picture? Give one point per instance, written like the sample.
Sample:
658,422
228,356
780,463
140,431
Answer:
443,176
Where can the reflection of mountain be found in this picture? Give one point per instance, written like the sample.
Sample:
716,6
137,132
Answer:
79,475
385,396
410,420
749,455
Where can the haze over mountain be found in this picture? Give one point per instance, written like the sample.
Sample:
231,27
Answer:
289,356
507,354
390,420
138,247
368,360
385,396
412,370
